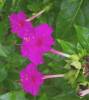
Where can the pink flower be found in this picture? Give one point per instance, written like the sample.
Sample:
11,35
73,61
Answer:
19,24
83,93
31,79
38,43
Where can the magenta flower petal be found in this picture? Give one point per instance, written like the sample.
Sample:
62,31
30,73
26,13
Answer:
19,24
38,44
31,79
21,14
35,55
44,28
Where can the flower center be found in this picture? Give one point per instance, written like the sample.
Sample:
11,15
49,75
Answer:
33,78
27,39
21,23
26,77
39,43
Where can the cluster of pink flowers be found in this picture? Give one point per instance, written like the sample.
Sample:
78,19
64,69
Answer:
36,42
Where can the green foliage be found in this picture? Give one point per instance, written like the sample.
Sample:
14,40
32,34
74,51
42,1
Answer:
43,97
14,96
3,51
73,66
70,22
83,36
66,18
2,3
67,47
3,72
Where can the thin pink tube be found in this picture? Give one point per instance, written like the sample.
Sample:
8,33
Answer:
59,53
53,76
83,93
33,17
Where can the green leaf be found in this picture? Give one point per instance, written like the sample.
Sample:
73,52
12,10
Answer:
43,97
79,48
18,95
66,17
5,97
3,51
13,96
3,29
59,66
54,57
67,47
34,6
71,76
73,66
83,15
72,0
45,1
2,2
68,95
3,73
13,3
74,57
16,60
83,35
55,60
76,64
81,77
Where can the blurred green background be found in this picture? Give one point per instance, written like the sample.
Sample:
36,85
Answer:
62,16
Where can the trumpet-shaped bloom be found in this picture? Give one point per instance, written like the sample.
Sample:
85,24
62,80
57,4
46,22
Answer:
19,24
83,93
38,43
31,79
